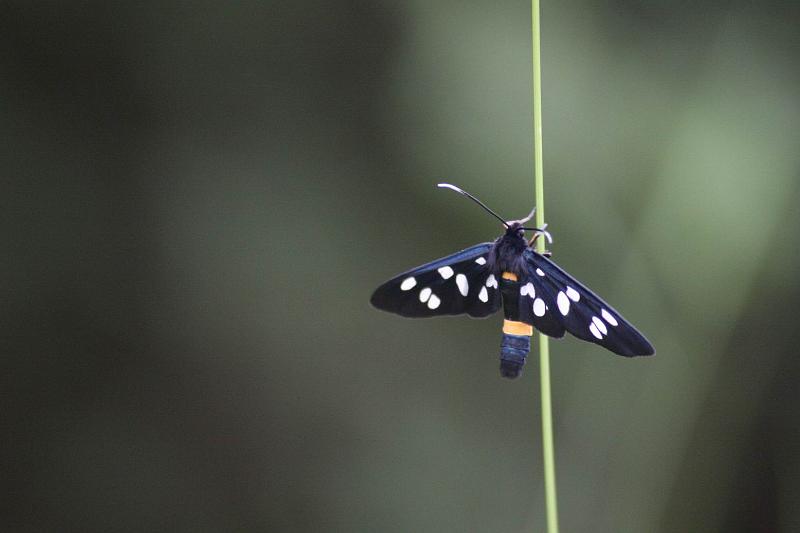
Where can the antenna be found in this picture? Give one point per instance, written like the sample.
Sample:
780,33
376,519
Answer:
468,195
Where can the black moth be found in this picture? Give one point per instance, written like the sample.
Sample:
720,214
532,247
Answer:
533,290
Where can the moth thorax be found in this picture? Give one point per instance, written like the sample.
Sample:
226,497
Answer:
509,254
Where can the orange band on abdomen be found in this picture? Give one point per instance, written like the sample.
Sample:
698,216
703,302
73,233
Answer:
511,327
517,328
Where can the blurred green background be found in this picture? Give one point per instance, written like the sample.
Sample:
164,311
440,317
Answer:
198,199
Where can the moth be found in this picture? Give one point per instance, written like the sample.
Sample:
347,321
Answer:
533,291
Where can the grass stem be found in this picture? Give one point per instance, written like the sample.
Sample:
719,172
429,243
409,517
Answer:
544,344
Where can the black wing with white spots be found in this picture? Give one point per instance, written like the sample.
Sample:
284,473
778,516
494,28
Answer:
456,284
535,304
552,301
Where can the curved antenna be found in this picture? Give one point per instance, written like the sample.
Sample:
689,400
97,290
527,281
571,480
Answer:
468,195
522,221
542,231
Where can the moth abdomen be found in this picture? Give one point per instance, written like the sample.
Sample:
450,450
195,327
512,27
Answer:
516,341
513,354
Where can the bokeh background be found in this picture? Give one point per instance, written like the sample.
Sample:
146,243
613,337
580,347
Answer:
199,197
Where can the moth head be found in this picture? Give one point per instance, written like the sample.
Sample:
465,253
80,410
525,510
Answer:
515,229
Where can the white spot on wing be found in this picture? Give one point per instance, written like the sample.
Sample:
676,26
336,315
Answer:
463,285
434,302
595,331
446,272
600,325
539,271
491,281
481,260
483,295
538,307
528,290
408,284
563,303
424,294
573,294
608,317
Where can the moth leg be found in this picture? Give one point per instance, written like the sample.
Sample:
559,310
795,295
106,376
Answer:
538,233
532,240
546,253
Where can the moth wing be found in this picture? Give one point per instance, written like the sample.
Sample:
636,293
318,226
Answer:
535,304
453,285
577,309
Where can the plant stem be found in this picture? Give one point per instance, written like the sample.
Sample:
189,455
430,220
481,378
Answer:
544,344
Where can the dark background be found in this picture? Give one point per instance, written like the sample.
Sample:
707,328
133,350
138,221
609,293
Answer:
199,197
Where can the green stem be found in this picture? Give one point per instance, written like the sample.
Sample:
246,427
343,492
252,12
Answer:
544,345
